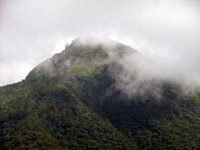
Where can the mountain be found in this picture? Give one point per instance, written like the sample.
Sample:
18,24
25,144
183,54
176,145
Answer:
98,94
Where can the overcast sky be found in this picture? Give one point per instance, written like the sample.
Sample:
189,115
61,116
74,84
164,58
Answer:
165,30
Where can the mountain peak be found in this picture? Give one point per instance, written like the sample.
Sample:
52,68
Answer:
89,50
98,95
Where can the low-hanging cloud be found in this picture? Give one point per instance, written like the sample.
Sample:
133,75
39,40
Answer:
134,73
165,31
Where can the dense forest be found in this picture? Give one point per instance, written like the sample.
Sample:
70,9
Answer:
71,102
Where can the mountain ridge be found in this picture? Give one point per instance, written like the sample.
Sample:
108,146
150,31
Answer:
88,97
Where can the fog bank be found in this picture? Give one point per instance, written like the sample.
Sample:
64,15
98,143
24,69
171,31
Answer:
165,31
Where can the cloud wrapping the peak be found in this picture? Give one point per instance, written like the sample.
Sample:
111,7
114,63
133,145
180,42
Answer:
165,31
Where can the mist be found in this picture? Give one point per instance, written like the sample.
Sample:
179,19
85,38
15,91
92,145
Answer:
166,32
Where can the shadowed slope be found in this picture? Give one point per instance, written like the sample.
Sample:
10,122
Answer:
74,100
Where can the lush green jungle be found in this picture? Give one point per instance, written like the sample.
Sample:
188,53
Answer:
72,102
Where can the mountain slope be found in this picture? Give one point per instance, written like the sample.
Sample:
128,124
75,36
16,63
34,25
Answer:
73,101
53,117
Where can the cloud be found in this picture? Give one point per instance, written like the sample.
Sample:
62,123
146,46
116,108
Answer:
166,31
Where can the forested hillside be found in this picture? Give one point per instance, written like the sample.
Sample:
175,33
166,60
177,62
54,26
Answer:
74,100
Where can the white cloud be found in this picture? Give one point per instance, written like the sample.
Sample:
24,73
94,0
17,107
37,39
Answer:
167,31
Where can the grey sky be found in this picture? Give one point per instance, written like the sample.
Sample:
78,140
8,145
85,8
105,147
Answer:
165,30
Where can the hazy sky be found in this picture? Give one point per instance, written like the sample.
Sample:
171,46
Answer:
165,30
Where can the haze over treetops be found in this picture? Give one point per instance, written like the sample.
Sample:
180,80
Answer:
99,94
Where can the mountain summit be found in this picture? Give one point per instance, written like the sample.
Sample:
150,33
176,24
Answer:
98,94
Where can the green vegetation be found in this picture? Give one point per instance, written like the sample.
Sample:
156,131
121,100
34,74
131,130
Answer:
69,102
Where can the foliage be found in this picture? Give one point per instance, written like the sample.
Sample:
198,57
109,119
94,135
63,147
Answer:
76,106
